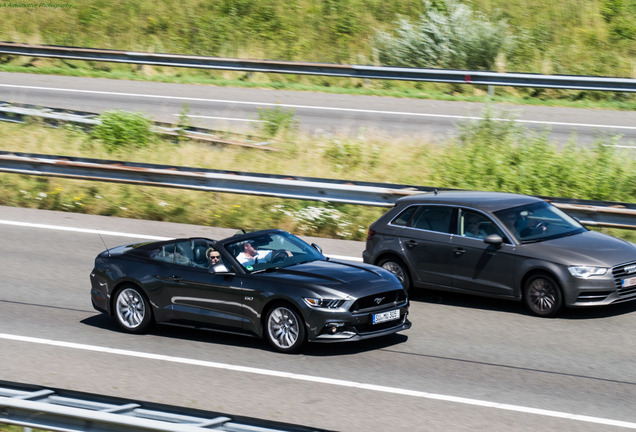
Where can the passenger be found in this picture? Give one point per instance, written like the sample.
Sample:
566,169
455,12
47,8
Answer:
472,228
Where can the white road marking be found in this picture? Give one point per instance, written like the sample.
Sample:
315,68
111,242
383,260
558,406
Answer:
138,95
83,230
123,234
223,118
323,380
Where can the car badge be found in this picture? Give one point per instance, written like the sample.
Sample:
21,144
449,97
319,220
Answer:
630,269
378,300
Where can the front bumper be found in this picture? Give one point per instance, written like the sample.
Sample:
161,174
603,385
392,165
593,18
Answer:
347,326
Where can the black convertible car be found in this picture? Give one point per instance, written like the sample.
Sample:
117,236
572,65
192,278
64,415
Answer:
267,284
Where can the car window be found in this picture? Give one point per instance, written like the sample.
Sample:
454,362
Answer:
404,217
272,250
538,222
165,253
473,224
433,218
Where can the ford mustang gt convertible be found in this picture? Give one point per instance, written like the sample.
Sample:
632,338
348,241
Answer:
268,284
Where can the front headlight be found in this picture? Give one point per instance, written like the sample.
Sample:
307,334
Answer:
585,272
323,303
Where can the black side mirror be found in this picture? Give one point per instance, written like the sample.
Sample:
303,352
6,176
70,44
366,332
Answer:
318,248
493,239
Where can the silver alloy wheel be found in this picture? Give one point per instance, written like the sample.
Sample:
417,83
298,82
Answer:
396,269
130,308
543,296
283,328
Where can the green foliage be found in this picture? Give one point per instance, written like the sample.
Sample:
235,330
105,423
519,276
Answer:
500,155
344,154
494,153
120,130
448,35
276,120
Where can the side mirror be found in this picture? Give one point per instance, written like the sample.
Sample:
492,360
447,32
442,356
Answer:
318,248
493,239
220,268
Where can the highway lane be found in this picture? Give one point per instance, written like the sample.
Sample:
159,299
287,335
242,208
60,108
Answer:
236,109
467,363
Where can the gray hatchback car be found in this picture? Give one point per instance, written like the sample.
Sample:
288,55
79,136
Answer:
501,245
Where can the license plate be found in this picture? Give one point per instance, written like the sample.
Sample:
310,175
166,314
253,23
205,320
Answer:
386,316
628,282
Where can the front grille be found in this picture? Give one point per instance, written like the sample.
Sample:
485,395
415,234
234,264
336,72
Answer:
378,301
619,273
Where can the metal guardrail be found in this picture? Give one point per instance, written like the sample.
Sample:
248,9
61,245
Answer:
63,410
325,69
591,213
16,113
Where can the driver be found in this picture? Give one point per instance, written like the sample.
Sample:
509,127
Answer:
251,255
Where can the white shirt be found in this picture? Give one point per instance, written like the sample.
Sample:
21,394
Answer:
261,256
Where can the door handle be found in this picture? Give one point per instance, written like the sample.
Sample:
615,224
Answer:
411,243
459,251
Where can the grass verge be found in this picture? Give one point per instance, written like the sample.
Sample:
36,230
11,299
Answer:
486,155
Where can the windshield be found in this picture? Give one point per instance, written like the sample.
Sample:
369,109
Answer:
538,222
272,250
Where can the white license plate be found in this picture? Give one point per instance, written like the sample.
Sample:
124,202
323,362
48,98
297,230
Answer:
386,316
628,282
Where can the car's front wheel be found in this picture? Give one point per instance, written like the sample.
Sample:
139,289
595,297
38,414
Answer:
543,296
397,267
284,329
132,311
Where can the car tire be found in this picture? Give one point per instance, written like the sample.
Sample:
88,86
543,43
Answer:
132,310
399,269
542,295
284,329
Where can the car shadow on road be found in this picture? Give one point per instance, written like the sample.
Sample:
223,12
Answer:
511,306
167,331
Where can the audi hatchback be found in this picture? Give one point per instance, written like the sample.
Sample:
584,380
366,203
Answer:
502,245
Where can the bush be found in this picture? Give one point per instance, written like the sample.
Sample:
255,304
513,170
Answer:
119,130
276,120
448,35
500,155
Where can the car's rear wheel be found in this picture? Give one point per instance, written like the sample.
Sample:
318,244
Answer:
543,296
284,329
397,267
132,310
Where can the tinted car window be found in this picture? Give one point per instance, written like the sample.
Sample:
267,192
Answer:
538,222
433,218
404,217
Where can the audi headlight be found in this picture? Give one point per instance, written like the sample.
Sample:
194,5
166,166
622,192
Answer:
323,303
585,272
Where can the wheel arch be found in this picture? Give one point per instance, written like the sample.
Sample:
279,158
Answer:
396,257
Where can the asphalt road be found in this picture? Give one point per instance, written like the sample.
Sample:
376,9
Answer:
467,364
237,109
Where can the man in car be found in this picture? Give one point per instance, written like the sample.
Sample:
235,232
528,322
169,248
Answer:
251,255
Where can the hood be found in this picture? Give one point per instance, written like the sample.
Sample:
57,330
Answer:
337,277
587,248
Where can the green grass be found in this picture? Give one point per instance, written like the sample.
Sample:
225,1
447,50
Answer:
590,37
487,155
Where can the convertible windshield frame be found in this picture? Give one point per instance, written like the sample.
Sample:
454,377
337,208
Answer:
537,222
275,250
